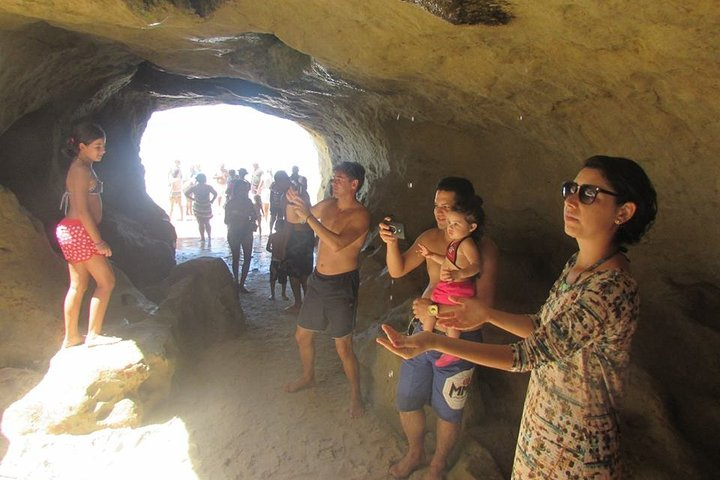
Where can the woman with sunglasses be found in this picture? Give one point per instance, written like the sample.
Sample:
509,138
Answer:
578,345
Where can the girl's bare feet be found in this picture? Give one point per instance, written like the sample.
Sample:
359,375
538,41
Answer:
72,342
97,340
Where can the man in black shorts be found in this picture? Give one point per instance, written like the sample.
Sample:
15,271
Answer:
341,223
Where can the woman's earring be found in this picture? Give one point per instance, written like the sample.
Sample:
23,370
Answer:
617,221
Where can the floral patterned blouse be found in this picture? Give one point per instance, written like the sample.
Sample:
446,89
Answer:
578,355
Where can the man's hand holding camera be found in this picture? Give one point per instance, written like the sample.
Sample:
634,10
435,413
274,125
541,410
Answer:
390,231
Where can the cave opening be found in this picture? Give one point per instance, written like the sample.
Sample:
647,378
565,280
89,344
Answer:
214,140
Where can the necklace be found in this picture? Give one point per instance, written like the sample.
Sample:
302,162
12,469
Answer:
564,286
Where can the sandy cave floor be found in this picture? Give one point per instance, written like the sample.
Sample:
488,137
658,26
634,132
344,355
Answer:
241,422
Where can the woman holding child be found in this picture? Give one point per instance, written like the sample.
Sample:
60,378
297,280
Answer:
578,345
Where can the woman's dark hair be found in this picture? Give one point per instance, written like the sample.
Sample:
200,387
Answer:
472,210
85,133
461,187
201,178
353,170
630,182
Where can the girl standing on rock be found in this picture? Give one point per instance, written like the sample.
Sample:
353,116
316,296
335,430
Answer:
79,237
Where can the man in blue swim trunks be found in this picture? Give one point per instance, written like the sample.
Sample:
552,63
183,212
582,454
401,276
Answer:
341,223
420,381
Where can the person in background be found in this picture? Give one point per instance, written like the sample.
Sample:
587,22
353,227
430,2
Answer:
277,196
299,250
175,182
236,182
276,244
257,202
264,189
221,179
202,196
255,179
241,221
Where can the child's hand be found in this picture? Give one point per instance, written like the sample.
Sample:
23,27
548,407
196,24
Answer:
448,275
423,250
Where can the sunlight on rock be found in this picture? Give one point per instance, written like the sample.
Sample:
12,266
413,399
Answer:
155,451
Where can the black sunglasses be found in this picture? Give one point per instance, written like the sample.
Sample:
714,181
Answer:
586,193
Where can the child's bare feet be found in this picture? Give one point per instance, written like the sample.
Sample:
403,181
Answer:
97,340
72,342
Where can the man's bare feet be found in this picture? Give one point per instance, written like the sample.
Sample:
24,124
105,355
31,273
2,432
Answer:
72,342
299,384
434,473
97,340
242,289
285,297
407,465
271,297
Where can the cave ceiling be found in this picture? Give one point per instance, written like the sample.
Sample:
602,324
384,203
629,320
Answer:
563,79
445,61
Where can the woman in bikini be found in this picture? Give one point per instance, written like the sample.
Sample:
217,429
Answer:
79,237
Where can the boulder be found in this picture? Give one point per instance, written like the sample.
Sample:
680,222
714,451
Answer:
90,388
200,301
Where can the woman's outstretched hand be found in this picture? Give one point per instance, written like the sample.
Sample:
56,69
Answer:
404,346
470,314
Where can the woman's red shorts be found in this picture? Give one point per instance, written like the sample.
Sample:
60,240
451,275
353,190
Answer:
75,241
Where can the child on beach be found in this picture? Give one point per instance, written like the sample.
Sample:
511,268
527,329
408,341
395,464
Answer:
462,261
276,245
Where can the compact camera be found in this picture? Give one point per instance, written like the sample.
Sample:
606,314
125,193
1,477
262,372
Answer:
397,229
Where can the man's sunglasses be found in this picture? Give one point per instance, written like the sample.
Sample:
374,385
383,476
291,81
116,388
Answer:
586,193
